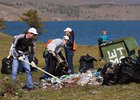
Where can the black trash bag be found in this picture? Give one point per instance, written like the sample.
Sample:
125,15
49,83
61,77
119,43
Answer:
6,67
110,74
55,67
61,69
130,71
123,73
86,62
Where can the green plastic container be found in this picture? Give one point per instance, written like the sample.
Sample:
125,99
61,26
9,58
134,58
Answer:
118,49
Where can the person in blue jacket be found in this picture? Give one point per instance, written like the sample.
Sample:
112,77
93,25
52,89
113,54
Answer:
103,37
69,49
102,40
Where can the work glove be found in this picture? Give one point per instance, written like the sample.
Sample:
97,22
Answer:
21,58
8,56
53,54
33,64
60,60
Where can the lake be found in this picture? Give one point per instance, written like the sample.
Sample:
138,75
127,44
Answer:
86,32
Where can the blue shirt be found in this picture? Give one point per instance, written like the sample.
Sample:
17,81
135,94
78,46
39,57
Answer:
104,37
69,46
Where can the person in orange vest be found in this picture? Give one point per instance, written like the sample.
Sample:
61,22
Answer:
69,49
52,53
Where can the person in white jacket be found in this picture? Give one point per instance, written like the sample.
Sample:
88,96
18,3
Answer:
52,54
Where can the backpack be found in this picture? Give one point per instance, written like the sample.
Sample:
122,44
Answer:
45,52
48,42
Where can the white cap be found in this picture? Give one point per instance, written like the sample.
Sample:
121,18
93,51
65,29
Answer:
33,30
68,29
66,37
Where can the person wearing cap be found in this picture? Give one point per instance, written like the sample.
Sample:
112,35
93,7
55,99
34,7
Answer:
23,45
53,52
69,49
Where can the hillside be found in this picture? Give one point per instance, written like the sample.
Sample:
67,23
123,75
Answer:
73,9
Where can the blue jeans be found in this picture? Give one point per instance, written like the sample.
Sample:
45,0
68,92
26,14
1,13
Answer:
26,66
69,57
46,68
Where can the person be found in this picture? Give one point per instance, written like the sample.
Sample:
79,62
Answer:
69,52
53,55
103,39
23,44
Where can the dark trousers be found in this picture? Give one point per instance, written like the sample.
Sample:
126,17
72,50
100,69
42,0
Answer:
69,57
51,64
100,41
101,53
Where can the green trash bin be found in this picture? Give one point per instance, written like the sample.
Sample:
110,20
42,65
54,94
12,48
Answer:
118,49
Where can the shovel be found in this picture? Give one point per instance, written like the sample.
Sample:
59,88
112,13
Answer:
58,80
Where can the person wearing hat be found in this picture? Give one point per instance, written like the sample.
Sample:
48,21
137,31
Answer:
69,51
52,54
23,45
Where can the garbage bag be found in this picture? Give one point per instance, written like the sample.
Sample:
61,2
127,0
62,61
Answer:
110,73
123,73
86,62
6,67
130,71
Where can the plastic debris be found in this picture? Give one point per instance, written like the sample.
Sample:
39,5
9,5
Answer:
90,77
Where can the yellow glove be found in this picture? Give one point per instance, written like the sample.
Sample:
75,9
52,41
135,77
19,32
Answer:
21,58
53,54
33,64
60,59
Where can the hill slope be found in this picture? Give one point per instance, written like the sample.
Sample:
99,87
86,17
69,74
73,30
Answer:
73,9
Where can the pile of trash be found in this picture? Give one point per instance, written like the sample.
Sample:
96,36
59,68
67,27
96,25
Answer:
90,77
110,74
86,76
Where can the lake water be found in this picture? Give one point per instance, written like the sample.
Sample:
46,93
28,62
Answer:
86,32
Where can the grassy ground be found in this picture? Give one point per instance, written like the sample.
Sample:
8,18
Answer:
116,92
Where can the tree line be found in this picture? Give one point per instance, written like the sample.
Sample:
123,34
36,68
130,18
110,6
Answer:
31,18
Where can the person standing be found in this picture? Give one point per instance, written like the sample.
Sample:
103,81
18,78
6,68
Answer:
23,45
69,51
53,55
